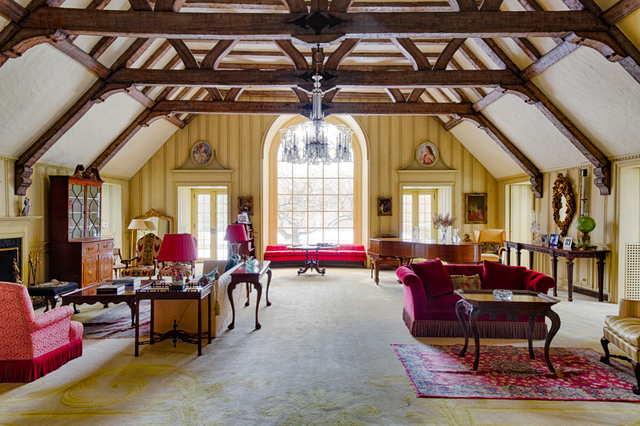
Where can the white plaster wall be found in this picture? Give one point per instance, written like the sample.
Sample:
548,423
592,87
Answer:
529,130
35,90
485,150
140,149
599,97
95,131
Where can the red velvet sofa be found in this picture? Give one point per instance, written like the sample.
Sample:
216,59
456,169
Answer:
347,254
429,299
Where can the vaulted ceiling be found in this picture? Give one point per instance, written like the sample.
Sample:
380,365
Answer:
525,85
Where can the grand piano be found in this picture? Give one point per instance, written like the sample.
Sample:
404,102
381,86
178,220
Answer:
380,248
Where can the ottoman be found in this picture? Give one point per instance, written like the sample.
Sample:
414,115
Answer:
51,290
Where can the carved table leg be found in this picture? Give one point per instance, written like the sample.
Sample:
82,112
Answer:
554,273
268,284
473,322
258,287
132,306
233,309
532,323
570,279
138,328
555,326
605,346
601,279
460,314
376,268
199,327
518,256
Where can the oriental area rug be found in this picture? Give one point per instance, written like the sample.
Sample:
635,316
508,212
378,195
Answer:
115,323
507,372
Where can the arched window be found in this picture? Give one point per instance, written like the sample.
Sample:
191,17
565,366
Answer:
315,203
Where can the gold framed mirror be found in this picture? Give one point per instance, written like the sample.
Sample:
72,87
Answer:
564,205
163,223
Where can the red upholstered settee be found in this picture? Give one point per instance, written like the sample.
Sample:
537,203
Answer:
347,254
429,299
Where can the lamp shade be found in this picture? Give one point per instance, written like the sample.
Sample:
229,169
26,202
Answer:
178,248
150,225
236,232
137,224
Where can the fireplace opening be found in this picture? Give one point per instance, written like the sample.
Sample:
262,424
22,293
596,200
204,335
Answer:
10,250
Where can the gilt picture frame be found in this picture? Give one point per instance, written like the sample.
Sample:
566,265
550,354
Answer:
475,207
384,206
245,204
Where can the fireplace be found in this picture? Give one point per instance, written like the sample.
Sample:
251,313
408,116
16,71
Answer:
10,250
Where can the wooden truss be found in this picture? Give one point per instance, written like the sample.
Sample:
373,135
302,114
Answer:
425,66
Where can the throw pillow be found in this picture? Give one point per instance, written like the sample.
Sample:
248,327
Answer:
435,278
466,282
231,263
490,248
211,276
498,276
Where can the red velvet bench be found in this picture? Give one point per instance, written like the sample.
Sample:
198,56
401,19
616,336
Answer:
346,255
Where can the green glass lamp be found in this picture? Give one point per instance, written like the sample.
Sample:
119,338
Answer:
585,224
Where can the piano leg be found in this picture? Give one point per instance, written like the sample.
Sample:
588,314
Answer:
376,272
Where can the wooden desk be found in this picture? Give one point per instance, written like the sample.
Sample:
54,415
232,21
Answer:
246,274
426,249
556,252
160,291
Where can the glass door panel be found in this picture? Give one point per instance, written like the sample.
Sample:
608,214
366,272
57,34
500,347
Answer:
209,219
418,207
76,211
93,211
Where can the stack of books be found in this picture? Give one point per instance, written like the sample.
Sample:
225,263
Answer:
111,289
131,283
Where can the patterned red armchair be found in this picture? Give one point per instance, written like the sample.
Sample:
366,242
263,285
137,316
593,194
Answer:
30,346
145,263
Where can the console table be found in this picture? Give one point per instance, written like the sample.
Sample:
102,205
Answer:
249,275
556,252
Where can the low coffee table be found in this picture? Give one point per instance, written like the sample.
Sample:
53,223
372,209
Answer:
89,295
523,302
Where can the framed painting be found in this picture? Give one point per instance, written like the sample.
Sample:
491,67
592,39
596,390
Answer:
384,206
201,153
245,204
427,154
475,208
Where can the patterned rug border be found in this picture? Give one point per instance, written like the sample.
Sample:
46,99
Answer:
615,367
115,323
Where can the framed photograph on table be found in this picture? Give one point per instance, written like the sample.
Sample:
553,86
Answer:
544,238
553,240
384,206
475,208
568,243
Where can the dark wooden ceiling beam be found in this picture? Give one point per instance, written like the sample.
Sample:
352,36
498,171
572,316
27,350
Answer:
319,5
295,6
291,52
447,54
168,5
141,5
101,46
619,11
218,53
395,95
412,52
484,24
357,6
302,78
528,48
352,108
12,10
340,5
334,61
507,146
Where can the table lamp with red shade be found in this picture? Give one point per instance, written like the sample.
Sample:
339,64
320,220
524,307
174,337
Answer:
236,235
178,248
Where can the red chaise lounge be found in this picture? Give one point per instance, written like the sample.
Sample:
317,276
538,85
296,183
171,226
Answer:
429,298
33,346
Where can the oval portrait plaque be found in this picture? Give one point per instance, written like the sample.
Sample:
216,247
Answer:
201,153
427,154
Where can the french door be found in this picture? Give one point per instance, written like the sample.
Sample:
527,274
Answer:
418,208
209,219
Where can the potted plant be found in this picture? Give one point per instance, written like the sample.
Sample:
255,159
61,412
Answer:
442,222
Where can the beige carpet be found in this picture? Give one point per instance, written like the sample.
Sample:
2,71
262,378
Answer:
322,357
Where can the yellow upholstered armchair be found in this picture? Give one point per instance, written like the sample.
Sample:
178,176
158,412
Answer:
145,263
623,330
492,242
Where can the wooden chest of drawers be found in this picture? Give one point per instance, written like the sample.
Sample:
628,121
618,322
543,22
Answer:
83,262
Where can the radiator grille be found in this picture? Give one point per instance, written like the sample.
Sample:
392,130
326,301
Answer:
632,271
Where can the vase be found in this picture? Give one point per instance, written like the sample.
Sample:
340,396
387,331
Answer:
416,233
455,238
443,234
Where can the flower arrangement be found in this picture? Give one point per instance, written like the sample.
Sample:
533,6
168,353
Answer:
443,221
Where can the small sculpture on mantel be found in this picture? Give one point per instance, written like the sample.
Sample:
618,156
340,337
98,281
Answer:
26,210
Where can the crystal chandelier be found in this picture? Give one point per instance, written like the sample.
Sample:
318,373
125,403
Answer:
316,142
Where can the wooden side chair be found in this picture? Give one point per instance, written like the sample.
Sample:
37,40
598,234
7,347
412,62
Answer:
623,330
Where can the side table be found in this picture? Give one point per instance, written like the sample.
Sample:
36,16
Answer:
250,275
160,291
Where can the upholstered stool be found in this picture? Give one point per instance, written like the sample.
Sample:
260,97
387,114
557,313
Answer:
623,330
51,290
